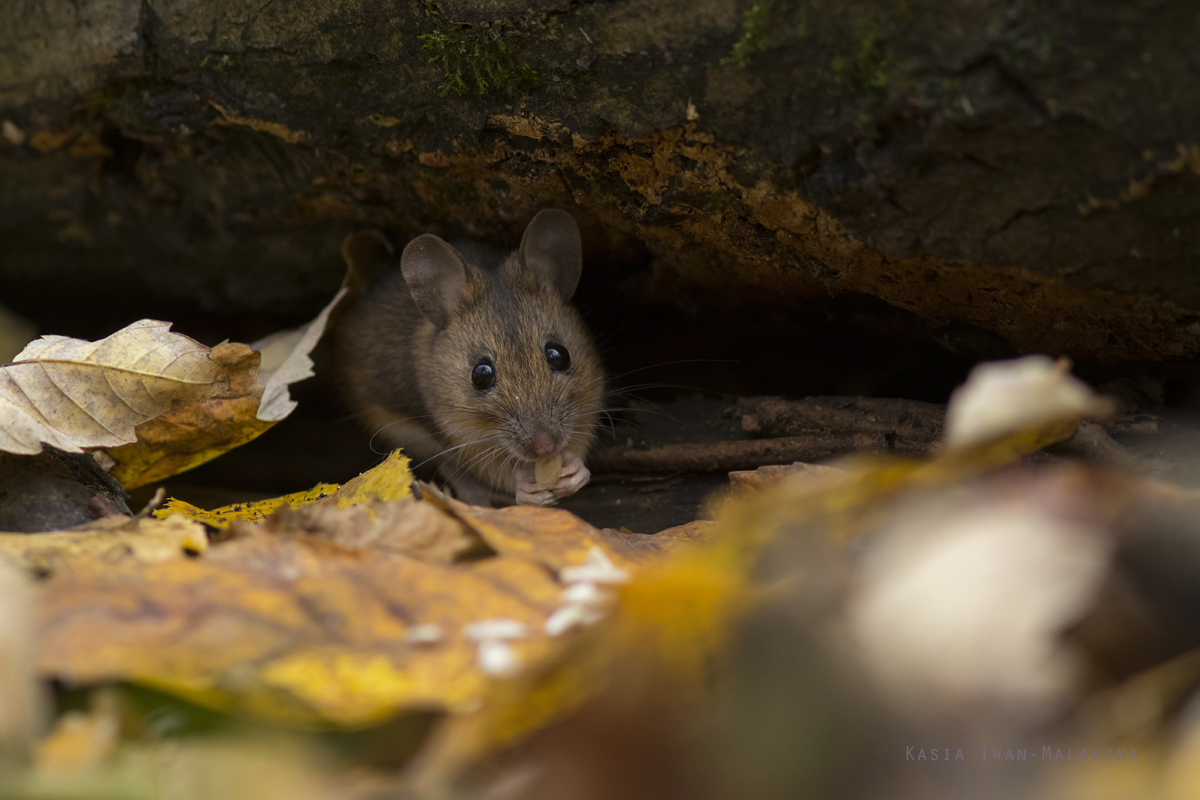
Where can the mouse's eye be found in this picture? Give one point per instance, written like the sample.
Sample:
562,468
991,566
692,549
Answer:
558,357
484,375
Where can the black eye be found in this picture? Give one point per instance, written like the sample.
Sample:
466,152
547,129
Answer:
558,357
484,375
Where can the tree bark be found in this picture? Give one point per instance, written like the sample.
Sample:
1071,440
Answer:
1002,169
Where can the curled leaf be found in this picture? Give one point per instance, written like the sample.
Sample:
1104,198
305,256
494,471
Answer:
1024,395
75,395
285,361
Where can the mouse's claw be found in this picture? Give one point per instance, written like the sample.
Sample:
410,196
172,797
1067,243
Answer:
572,477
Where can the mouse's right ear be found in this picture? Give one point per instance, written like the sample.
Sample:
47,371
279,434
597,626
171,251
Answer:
436,276
551,248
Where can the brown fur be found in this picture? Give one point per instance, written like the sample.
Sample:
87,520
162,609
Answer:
411,381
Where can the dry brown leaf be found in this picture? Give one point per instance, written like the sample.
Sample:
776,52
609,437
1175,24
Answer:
746,482
106,540
297,629
646,546
399,528
190,434
76,395
550,536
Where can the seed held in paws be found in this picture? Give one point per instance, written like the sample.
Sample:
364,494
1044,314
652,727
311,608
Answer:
547,470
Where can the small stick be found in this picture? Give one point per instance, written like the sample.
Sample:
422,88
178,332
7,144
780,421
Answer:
726,456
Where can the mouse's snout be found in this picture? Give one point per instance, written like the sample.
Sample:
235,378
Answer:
536,440
541,444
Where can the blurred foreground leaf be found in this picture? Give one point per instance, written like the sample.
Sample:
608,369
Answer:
324,615
107,540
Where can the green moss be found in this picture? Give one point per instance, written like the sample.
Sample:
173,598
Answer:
764,17
867,68
479,56
575,84
756,24
217,60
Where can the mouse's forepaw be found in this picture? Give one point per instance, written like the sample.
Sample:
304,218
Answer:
572,477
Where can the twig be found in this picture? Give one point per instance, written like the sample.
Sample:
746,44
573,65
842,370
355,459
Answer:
726,456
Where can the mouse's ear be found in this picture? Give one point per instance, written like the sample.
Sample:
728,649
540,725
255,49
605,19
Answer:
551,248
436,276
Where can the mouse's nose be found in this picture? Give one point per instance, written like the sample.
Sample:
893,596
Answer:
541,444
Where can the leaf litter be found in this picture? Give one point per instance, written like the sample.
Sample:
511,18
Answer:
344,607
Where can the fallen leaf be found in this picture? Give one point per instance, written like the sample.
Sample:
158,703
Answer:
647,546
405,527
257,397
254,512
1003,398
550,536
106,540
190,434
746,482
81,740
387,481
390,480
22,702
45,141
298,630
74,395
285,361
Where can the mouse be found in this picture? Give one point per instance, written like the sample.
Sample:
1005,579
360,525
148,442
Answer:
473,359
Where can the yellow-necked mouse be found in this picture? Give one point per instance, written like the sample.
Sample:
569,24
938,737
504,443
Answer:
475,360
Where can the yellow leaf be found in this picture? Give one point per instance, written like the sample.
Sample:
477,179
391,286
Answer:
107,539
390,480
254,512
81,740
300,631
75,395
387,481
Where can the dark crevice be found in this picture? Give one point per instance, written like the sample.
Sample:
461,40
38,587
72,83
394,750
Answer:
124,154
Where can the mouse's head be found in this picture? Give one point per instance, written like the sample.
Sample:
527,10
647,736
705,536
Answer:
509,370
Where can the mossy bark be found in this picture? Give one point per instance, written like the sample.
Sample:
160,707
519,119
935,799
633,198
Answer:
1025,169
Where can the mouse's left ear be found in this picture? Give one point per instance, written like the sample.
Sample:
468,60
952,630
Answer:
552,249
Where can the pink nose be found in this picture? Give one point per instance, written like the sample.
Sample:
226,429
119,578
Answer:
542,444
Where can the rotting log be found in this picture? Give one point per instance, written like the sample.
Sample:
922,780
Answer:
1015,170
